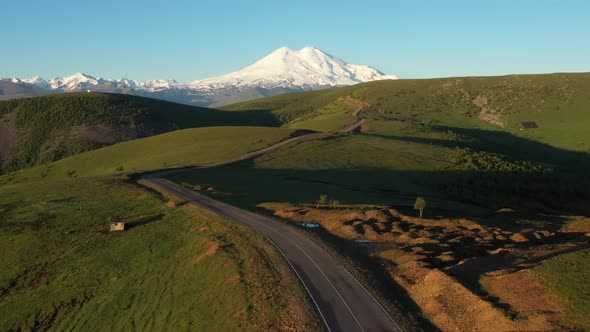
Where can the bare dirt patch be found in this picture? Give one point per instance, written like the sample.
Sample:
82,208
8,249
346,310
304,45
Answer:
232,279
440,263
447,303
527,296
487,113
241,315
211,248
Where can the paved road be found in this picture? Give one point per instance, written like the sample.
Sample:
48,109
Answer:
343,303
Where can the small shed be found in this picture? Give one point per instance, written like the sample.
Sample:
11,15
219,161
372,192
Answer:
529,125
117,223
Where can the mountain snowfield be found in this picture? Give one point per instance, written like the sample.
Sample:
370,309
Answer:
285,67
284,70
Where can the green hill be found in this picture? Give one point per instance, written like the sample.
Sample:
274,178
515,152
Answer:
173,149
559,104
62,271
41,129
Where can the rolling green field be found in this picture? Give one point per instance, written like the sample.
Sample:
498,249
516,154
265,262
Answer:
567,279
179,269
353,169
371,168
175,268
174,149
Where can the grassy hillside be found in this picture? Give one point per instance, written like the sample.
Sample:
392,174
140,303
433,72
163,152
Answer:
54,127
558,103
567,279
174,268
368,169
177,148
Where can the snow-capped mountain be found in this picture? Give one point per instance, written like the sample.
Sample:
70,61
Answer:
75,82
284,70
308,67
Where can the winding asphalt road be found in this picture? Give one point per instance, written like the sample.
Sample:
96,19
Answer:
343,303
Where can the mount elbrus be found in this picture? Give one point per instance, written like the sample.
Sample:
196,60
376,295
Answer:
284,70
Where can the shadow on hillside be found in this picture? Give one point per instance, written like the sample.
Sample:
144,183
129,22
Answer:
472,269
526,199
144,220
213,117
468,256
505,143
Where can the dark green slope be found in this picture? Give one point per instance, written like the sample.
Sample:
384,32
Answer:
36,130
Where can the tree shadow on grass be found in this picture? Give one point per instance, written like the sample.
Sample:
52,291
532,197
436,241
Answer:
547,198
145,220
501,142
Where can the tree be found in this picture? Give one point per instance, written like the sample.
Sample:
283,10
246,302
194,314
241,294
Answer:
420,204
323,200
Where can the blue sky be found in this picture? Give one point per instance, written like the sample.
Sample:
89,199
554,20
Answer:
189,40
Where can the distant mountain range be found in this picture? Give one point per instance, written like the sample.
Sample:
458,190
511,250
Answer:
284,70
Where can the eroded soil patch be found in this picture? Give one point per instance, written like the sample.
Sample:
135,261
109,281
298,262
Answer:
463,275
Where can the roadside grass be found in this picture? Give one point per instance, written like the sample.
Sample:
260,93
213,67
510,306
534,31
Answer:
179,269
174,149
567,279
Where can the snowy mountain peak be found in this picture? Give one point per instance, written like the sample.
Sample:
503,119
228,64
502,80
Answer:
283,70
76,81
309,67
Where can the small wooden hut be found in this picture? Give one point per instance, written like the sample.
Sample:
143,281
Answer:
117,223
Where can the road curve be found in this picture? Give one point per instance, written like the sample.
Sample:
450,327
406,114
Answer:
342,301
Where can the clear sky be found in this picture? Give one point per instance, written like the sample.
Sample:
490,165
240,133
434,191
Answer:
189,40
